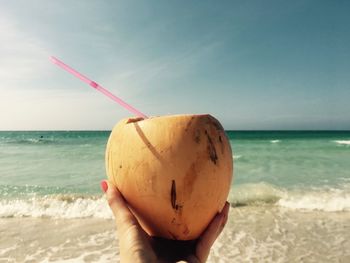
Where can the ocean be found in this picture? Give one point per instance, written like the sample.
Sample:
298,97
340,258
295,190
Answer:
290,198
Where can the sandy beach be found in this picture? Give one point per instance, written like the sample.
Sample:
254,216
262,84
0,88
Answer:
253,234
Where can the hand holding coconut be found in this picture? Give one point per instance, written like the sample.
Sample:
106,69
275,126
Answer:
137,246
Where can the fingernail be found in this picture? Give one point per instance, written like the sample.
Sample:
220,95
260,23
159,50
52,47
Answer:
104,186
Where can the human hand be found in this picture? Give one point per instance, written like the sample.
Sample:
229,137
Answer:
137,246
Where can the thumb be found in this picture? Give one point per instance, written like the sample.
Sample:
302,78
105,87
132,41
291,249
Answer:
208,237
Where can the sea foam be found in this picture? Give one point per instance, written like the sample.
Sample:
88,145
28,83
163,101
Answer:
262,194
343,142
254,194
327,202
56,206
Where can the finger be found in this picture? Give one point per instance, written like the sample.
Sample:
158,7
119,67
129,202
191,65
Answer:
133,241
224,212
207,239
119,207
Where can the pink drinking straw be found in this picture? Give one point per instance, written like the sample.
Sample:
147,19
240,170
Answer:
98,87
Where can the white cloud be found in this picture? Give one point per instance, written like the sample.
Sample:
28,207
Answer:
23,56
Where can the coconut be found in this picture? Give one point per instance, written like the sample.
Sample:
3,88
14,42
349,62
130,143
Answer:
174,172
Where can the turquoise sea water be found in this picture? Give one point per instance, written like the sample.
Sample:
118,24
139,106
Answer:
268,165
52,162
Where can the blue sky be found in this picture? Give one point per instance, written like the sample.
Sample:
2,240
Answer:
251,64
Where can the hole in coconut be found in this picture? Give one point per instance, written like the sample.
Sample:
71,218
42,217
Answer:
133,120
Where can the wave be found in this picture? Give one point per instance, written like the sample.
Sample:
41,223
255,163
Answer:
31,141
56,206
327,200
254,194
275,141
343,142
70,206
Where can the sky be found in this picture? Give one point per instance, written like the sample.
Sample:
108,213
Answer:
254,65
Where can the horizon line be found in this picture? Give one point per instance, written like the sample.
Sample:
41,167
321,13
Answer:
239,130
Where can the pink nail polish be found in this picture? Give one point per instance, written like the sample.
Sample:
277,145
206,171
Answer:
104,186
